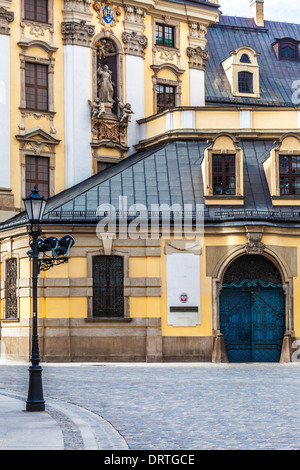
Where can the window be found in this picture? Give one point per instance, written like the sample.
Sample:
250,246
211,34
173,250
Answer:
165,97
108,290
245,59
289,174
164,35
245,80
37,173
223,169
11,301
288,52
36,86
101,166
36,10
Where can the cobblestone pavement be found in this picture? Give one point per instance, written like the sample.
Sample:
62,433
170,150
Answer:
174,406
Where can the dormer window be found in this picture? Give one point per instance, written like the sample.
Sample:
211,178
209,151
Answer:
286,49
242,71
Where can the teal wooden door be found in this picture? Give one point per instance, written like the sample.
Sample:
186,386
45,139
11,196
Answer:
252,320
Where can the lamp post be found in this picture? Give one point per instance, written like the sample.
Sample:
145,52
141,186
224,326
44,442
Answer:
35,206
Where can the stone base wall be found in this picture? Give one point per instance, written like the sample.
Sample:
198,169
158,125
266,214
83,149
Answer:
95,340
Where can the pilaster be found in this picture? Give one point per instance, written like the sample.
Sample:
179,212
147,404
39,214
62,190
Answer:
197,62
135,43
6,196
77,32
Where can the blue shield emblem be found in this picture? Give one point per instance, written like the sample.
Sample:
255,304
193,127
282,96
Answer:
107,14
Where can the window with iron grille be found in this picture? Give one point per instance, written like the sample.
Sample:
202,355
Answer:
289,174
37,174
165,97
36,10
11,301
36,86
245,82
223,172
164,35
108,286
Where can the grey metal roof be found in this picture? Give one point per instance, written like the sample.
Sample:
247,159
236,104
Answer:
170,174
276,76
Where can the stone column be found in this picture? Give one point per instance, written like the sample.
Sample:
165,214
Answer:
6,197
135,45
197,57
77,32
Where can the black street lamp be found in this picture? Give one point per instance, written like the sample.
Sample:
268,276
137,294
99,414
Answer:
35,206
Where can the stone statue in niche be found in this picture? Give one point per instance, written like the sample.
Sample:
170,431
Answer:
125,112
105,85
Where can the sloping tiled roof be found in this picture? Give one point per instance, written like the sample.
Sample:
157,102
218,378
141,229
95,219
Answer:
276,76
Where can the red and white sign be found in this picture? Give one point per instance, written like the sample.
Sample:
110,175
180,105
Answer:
183,298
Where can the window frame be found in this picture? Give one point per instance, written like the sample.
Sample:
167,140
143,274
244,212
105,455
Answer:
164,107
37,181
35,19
126,281
289,175
223,174
293,45
106,289
164,26
250,75
36,86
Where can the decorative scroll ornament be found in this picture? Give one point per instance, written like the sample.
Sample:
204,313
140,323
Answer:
77,33
6,17
198,57
107,14
135,44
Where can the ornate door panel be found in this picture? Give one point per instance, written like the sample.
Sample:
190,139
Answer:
268,324
252,320
235,324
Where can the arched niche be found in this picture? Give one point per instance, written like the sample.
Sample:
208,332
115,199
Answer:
107,50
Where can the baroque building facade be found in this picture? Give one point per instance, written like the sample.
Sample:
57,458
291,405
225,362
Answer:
131,116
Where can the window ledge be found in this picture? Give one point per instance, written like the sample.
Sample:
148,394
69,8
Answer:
286,200
286,196
37,111
108,319
212,200
14,320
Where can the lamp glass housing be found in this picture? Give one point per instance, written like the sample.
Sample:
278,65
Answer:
35,206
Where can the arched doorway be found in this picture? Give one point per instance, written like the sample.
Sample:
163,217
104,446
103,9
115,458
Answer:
252,310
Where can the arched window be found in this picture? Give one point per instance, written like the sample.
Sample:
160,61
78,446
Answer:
245,82
245,59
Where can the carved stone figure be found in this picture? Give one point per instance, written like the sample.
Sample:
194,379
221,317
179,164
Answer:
97,109
126,112
105,85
